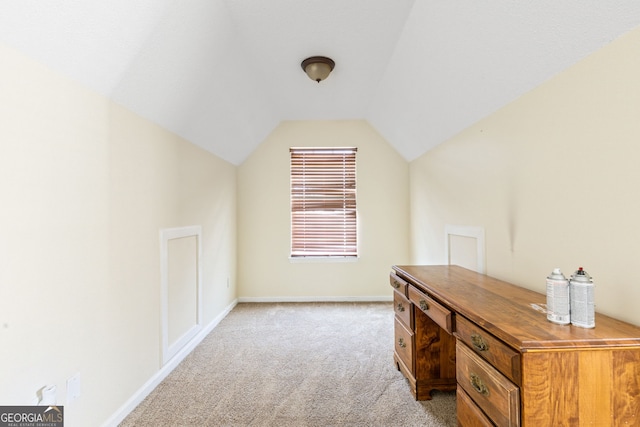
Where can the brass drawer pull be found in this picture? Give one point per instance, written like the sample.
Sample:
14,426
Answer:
423,305
400,307
479,343
478,385
396,284
401,343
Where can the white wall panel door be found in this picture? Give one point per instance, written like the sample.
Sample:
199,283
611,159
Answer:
464,246
181,290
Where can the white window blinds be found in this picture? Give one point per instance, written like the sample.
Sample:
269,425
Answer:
323,202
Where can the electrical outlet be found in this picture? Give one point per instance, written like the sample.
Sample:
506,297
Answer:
227,283
73,388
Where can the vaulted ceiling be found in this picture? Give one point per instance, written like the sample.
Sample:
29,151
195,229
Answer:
223,73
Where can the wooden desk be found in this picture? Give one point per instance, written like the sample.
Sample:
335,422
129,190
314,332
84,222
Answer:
456,329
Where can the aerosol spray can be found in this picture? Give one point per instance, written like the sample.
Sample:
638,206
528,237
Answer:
558,304
582,300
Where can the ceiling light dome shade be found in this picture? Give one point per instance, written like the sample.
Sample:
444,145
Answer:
318,67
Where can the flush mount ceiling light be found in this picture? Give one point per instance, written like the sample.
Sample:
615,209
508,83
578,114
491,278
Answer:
318,67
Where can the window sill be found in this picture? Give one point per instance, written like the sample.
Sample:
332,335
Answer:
322,259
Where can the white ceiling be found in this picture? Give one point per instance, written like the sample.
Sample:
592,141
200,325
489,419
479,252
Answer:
224,73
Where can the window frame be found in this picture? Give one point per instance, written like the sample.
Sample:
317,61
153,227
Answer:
323,212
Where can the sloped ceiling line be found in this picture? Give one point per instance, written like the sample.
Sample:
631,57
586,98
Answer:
224,73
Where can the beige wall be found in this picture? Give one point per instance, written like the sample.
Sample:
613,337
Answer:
553,178
85,187
263,216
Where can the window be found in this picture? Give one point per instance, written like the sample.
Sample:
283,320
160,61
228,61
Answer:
323,202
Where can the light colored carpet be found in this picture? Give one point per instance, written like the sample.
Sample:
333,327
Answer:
294,364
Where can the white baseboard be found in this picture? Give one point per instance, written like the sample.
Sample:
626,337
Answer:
383,298
156,379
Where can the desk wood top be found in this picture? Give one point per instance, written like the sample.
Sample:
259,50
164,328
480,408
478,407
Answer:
513,313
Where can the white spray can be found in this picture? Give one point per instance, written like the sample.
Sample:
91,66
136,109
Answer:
582,300
558,304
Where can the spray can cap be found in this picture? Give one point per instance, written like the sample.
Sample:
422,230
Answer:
556,274
581,276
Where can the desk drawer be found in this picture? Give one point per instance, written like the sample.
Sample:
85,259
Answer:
402,308
398,284
468,413
498,397
498,354
437,312
404,345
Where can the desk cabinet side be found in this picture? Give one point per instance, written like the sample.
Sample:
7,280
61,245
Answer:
567,387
